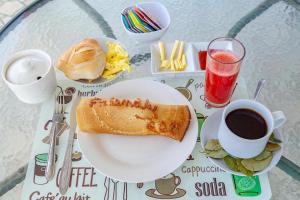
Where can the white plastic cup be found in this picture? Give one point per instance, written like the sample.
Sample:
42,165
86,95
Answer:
37,90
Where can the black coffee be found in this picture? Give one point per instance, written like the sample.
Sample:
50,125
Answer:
247,124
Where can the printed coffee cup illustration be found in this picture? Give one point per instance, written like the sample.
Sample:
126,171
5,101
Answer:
166,188
190,157
40,168
68,94
201,118
139,185
185,91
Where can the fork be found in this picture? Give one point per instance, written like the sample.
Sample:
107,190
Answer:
115,193
57,118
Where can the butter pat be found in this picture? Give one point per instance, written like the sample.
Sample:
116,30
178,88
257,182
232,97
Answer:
165,64
180,52
183,60
177,65
175,47
177,60
172,65
162,51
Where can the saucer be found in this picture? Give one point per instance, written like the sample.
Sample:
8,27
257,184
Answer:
176,194
210,130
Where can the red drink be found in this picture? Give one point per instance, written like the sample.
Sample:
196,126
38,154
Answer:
222,69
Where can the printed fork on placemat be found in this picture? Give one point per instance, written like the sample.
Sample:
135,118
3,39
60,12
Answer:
57,118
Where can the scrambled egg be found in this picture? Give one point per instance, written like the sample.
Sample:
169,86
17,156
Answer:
117,60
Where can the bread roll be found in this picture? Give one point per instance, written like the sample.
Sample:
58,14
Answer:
85,60
128,117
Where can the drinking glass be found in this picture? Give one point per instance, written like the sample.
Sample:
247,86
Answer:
224,58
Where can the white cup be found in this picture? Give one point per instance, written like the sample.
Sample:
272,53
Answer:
248,148
32,90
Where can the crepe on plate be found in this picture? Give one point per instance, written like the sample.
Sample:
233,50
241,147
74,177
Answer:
132,117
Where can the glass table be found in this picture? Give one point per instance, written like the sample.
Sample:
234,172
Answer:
269,29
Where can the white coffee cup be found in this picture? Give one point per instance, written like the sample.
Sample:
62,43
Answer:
248,148
30,75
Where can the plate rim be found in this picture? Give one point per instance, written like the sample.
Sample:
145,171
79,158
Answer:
139,179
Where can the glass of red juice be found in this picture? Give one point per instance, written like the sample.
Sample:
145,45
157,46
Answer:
224,58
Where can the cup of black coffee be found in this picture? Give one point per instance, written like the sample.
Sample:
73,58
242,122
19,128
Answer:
246,126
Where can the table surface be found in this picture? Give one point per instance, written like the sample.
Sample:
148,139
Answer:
269,29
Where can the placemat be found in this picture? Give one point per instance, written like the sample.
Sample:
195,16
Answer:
196,178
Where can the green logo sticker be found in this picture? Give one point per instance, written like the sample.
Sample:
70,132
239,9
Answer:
246,183
248,186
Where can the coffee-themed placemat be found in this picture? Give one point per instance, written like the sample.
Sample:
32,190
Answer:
196,178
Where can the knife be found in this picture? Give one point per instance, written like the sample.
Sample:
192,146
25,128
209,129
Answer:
67,164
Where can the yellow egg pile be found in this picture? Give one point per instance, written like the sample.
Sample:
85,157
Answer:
117,60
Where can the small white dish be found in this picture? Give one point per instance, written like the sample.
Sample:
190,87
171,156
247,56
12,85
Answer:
210,131
160,14
155,59
191,51
199,46
139,158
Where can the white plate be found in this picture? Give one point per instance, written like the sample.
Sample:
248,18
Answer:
102,41
139,158
210,131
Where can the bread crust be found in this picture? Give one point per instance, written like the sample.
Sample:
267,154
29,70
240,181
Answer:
132,117
85,60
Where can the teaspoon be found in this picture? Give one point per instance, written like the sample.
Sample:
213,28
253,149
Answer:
260,84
